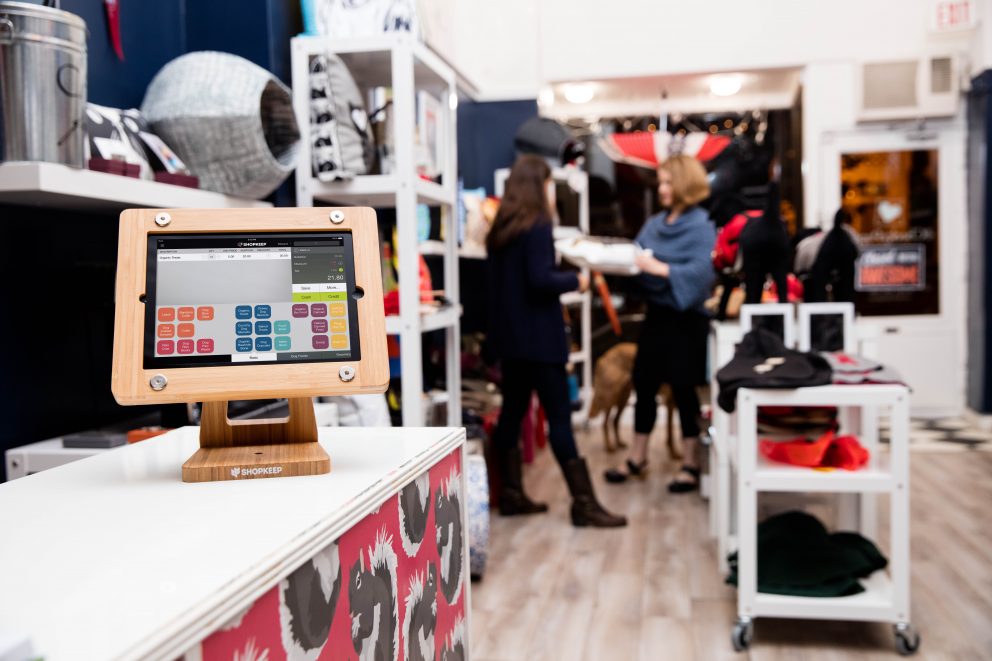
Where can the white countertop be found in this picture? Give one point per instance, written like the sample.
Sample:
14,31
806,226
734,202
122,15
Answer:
114,556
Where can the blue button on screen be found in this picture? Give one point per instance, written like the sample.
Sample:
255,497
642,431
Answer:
263,327
263,311
263,344
243,328
243,344
242,312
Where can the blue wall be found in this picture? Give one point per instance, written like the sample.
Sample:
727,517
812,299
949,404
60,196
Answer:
485,138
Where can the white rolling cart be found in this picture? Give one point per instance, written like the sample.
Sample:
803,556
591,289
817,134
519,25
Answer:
886,595
740,474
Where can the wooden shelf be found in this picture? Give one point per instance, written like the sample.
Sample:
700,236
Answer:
39,184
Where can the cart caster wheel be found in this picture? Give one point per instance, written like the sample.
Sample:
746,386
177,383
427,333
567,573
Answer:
907,639
741,636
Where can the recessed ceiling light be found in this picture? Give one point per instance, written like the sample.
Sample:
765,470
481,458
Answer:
726,84
578,92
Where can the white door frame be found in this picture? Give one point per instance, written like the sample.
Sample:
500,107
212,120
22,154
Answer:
949,139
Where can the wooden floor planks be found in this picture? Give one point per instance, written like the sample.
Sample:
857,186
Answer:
651,591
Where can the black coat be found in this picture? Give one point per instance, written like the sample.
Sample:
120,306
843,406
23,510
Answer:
525,317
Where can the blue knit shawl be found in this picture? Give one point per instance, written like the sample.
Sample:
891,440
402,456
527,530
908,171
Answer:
686,245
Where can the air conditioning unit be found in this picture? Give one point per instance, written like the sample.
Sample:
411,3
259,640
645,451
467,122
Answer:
909,89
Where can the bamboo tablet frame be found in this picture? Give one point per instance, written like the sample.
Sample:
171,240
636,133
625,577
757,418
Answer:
226,444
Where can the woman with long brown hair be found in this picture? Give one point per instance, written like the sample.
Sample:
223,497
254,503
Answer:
527,333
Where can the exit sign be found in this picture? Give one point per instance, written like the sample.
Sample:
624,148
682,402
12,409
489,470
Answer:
953,15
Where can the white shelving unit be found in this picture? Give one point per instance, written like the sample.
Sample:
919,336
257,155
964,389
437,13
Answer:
579,182
35,183
400,62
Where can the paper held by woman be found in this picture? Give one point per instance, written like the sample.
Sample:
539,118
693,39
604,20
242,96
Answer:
604,254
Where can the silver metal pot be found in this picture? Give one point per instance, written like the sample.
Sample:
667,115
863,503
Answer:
42,84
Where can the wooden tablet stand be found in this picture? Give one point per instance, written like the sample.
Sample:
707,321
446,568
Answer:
251,449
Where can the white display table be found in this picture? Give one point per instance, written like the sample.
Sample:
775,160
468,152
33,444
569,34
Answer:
114,557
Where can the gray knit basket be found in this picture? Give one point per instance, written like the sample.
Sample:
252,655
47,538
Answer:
231,121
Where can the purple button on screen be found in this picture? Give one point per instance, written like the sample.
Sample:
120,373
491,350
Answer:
319,325
318,309
320,342
300,310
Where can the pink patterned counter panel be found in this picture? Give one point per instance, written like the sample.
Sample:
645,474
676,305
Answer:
392,587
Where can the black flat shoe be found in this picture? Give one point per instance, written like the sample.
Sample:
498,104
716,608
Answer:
639,471
678,486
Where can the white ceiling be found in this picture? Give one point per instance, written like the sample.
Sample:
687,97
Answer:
686,93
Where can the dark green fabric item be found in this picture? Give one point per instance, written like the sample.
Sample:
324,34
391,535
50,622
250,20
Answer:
797,556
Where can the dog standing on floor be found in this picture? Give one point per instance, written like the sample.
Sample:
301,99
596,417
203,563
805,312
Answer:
612,384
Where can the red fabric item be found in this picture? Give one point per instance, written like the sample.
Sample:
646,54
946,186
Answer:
847,453
713,147
797,452
827,451
728,240
795,286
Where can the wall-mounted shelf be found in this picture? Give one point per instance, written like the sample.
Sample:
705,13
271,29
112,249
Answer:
377,190
429,321
33,183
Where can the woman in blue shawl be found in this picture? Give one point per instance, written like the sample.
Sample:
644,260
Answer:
677,276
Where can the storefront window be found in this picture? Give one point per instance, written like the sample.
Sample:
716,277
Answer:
892,199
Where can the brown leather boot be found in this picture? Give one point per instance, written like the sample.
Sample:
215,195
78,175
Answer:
512,499
586,510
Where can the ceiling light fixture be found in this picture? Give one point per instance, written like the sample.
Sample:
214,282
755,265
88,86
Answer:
578,92
726,84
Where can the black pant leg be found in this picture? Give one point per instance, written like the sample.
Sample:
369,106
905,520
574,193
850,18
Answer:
649,372
551,382
518,384
687,401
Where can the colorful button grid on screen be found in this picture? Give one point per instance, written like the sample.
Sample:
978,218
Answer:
339,325
205,346
263,344
242,312
263,311
167,314
165,347
339,341
263,327
166,330
186,330
319,325
281,327
338,309
243,344
320,342
242,328
283,343
184,346
319,309
186,314
205,313
300,310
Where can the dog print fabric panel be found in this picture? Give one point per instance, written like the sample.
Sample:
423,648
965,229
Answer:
391,588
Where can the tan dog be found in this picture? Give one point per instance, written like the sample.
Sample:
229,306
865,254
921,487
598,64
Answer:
612,384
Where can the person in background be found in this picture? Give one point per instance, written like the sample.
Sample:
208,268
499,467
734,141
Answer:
527,333
677,276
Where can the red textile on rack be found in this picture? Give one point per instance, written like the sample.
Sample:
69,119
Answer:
828,451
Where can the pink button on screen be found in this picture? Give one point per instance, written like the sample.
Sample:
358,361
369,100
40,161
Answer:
300,310
318,309
184,346
320,342
319,325
204,346
165,347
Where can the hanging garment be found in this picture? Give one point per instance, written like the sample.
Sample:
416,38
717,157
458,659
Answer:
797,556
762,361
764,245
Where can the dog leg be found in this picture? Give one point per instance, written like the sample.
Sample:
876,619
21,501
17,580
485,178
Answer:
610,447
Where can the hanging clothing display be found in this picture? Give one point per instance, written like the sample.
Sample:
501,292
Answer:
797,556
